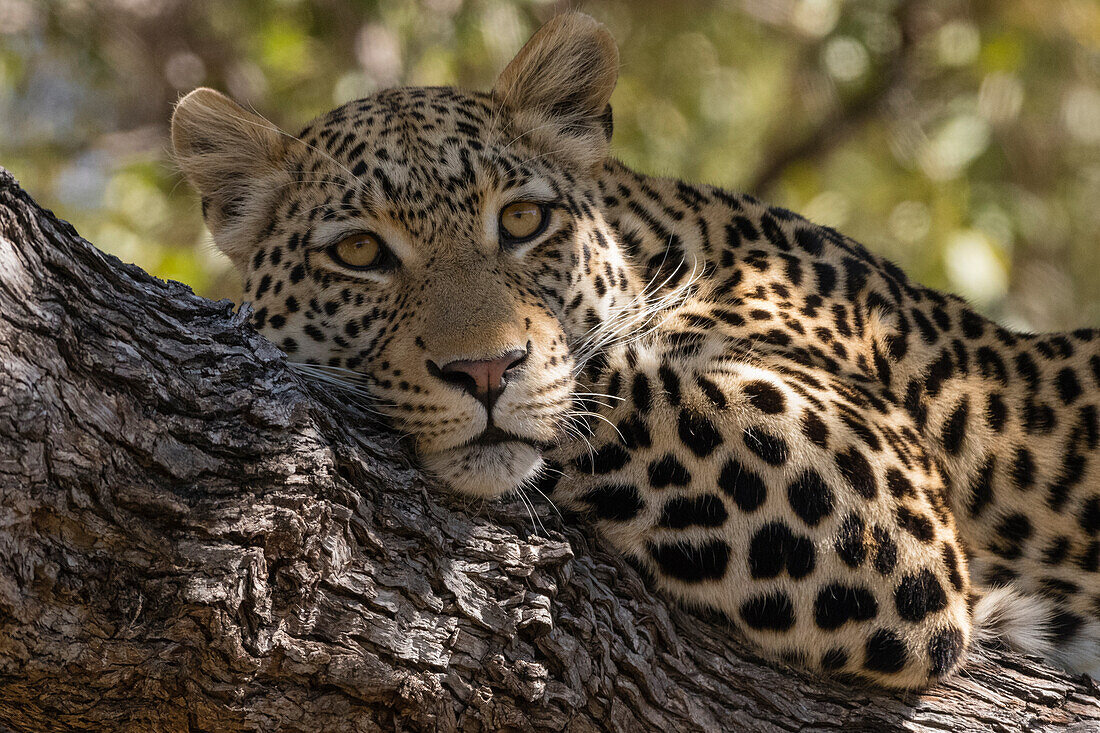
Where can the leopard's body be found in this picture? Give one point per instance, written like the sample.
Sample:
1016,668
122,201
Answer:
770,420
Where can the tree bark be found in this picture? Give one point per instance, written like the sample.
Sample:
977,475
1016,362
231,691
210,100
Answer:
193,538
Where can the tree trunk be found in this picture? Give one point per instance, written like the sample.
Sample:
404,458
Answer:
195,539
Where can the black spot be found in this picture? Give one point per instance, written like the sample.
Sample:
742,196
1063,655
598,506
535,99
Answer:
944,649
972,324
771,612
941,318
670,382
667,471
981,488
915,404
997,575
1090,515
617,502
814,428
743,485
1073,470
1064,626
995,412
692,563
765,397
1089,559
770,447
615,383
834,659
919,594
809,240
826,278
954,428
608,458
733,319
916,524
1039,417
1056,552
706,510
746,228
991,365
927,330
698,433
899,484
685,343
940,371
1013,531
775,547
855,273
1023,469
1088,426
810,497
712,391
634,433
1058,589
773,232
857,471
885,652
862,430
849,541
951,561
837,604
547,481
265,283
1069,389
885,557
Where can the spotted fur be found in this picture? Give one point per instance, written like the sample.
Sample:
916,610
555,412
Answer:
863,474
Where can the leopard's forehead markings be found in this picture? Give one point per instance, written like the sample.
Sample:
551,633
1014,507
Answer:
419,151
404,123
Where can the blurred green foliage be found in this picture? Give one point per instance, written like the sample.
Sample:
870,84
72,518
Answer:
959,137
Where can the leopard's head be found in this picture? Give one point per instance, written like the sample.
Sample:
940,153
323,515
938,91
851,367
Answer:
445,247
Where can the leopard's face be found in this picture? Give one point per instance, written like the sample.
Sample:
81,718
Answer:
422,246
419,243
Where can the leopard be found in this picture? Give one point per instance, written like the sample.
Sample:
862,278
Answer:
865,477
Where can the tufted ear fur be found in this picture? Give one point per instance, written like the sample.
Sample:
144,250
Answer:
233,158
558,86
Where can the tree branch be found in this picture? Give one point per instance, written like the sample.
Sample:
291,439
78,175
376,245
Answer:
194,539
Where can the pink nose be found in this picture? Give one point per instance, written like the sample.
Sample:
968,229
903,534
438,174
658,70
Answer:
485,379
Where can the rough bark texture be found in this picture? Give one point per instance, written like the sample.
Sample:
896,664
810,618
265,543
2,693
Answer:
192,538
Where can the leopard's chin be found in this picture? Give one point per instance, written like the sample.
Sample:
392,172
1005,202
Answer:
485,471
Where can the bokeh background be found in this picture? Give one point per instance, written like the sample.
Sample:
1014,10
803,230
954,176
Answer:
959,137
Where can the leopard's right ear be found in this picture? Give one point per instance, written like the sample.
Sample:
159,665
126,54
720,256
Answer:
558,88
233,158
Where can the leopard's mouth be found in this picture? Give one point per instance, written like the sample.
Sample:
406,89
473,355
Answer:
494,435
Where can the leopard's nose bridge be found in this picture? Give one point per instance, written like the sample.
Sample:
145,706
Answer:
470,316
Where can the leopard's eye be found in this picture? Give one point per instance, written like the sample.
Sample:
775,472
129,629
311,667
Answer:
360,251
522,221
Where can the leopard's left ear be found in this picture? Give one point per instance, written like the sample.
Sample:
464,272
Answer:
234,158
559,85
